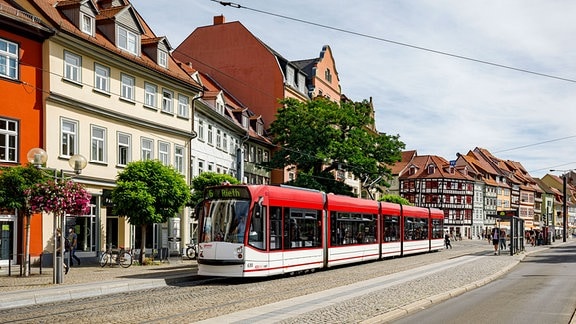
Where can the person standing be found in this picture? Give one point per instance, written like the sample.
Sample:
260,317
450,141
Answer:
73,239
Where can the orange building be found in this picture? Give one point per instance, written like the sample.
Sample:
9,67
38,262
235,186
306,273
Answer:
21,114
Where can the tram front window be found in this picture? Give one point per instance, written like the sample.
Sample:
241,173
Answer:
225,221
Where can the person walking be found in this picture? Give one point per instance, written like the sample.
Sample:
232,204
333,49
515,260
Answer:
495,239
73,241
447,241
502,239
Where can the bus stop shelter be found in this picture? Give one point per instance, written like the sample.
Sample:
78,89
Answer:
516,229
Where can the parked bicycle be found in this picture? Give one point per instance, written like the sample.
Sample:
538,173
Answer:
119,256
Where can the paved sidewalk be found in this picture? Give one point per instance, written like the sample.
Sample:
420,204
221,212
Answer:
89,280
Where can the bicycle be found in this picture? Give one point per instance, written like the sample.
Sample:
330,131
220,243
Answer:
119,256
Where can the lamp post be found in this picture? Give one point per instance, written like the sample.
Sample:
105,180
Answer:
77,162
564,205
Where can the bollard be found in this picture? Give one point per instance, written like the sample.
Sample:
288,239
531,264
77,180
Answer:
41,258
9,267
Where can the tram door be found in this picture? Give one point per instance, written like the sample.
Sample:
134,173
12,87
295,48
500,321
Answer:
276,237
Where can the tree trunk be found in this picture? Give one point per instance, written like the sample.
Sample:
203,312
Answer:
143,245
28,218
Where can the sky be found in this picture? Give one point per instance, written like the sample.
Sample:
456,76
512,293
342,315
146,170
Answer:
447,76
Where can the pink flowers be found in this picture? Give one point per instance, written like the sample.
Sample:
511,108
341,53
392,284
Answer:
58,197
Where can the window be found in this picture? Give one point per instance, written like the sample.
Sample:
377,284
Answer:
290,75
163,59
123,149
164,152
328,75
101,78
87,24
128,83
147,146
8,140
68,136
8,59
179,158
127,40
72,67
244,121
200,166
210,133
259,128
150,93
183,102
225,142
218,138
167,98
201,130
98,139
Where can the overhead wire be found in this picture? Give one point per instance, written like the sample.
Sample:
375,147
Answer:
421,48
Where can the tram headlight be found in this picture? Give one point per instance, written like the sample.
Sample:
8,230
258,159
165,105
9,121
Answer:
239,252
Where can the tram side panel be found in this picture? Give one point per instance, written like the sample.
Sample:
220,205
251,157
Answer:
352,230
391,229
415,230
436,229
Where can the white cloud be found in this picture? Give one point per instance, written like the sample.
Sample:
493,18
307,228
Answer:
438,104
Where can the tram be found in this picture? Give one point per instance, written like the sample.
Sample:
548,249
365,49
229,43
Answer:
265,230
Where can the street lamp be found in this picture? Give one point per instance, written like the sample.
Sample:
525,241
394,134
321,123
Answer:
564,205
77,162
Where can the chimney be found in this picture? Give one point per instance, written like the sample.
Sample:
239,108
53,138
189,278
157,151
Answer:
219,20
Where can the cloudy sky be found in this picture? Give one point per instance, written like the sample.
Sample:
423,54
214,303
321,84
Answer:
445,75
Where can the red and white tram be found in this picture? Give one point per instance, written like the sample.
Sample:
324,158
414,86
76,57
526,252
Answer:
261,230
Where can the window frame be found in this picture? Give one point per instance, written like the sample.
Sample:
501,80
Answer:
72,70
128,42
167,103
179,163
164,154
150,98
87,24
11,57
127,90
100,79
100,145
183,105
163,58
68,149
9,140
146,153
123,150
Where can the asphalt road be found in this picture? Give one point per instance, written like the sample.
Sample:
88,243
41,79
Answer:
540,289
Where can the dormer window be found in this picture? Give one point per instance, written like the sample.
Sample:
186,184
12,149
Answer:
87,24
290,75
244,121
127,40
163,59
431,168
412,170
259,128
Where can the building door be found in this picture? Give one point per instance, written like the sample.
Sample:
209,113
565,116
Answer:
7,239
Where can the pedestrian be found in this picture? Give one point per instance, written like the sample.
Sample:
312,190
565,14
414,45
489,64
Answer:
447,241
495,239
503,239
58,242
73,241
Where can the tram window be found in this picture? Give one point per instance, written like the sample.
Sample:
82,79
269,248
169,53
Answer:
275,228
437,231
352,228
256,236
391,228
302,228
415,229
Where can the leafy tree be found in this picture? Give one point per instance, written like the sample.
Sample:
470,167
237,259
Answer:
149,192
14,181
395,199
321,136
207,179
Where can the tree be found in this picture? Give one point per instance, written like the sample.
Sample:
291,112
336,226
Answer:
395,199
321,136
149,192
207,179
14,181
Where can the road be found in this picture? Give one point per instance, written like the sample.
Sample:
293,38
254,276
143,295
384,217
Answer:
541,289
204,299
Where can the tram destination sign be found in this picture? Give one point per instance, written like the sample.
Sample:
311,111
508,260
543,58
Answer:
228,192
